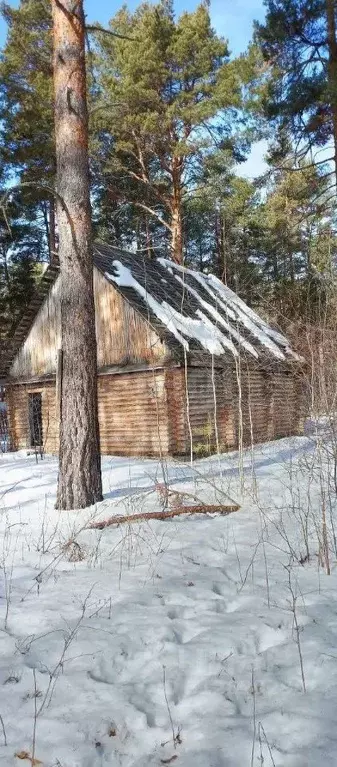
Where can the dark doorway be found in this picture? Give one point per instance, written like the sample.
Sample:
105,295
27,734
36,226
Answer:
35,419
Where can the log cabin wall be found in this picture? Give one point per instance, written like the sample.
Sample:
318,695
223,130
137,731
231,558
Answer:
153,413
285,404
197,417
176,411
208,411
272,403
132,411
18,413
257,404
37,355
123,336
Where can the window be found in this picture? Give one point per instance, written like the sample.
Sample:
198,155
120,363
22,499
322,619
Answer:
35,419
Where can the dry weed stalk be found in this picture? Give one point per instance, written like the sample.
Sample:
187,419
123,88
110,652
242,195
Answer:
296,627
254,718
176,735
3,730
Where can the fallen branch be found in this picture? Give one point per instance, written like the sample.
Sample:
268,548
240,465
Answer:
25,755
125,519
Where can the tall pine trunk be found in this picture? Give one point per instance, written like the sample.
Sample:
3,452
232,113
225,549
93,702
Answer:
52,232
332,70
79,481
177,234
177,241
48,210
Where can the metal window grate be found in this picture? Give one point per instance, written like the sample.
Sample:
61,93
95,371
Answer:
35,419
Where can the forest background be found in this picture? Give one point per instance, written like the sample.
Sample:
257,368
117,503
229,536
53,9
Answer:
212,141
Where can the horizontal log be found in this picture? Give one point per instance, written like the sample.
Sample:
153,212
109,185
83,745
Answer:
143,517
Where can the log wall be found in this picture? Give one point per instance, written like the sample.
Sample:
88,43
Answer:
211,410
215,408
123,336
157,412
37,355
18,397
176,411
132,411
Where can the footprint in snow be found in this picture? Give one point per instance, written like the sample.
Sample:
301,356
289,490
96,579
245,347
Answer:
178,637
270,637
175,612
219,606
217,589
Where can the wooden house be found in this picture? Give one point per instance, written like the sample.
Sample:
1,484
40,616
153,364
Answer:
183,364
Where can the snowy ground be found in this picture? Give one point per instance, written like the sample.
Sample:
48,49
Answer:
177,641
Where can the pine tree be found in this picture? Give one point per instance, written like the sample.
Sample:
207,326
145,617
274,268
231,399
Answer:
221,225
21,255
297,244
26,108
79,482
167,97
299,42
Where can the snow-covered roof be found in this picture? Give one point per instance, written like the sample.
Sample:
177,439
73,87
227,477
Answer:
190,309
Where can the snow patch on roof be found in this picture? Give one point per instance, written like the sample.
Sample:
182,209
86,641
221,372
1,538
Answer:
232,332
236,310
199,329
125,279
218,324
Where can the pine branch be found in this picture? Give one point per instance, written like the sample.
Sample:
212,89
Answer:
53,193
94,28
153,213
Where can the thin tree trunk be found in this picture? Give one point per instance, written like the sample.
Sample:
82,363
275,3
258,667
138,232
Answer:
7,278
49,223
177,235
46,222
332,69
148,238
79,481
52,227
224,249
291,265
138,235
218,240
177,243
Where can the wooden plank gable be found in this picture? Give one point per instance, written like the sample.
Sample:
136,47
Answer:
123,336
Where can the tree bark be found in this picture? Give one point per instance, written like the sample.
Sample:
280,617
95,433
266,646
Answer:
148,238
177,235
332,70
79,481
177,242
52,232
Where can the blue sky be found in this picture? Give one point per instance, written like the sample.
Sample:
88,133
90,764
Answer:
231,18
